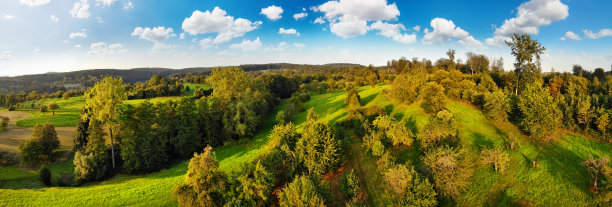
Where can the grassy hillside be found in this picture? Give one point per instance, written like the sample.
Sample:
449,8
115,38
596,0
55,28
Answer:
560,180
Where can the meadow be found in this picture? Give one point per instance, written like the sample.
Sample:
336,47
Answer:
560,179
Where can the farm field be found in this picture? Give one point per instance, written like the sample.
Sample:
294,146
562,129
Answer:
560,179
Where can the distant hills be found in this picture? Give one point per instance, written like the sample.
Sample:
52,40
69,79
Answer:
53,81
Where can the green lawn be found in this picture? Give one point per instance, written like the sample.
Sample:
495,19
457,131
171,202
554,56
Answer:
559,181
65,116
193,87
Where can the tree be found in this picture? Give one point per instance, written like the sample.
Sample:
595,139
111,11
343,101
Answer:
497,105
477,63
527,54
187,139
82,134
408,188
43,109
311,115
4,122
319,148
349,185
602,122
91,162
497,157
40,146
451,57
53,106
394,130
45,175
204,184
442,128
449,170
434,99
352,97
141,149
540,116
104,99
300,192
254,186
597,168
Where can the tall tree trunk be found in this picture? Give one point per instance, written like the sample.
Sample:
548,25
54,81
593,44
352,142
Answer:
112,146
518,78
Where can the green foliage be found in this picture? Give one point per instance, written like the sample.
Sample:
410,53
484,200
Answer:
405,87
82,134
319,148
280,86
349,185
285,134
394,130
91,163
104,99
40,146
352,98
187,139
408,188
449,169
4,121
497,157
209,121
254,186
204,184
540,116
434,99
53,106
301,192
442,129
45,175
497,105
527,53
141,149
281,117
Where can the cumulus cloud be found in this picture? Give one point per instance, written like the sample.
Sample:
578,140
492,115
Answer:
280,47
350,18
101,49
156,35
444,31
272,12
570,35
529,17
247,45
299,45
319,20
6,56
206,43
393,31
129,5
299,16
80,9
600,34
105,2
9,16
54,18
78,34
417,28
34,2
218,22
290,31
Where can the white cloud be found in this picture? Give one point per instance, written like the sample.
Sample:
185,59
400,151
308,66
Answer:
444,31
182,36
299,45
156,35
393,31
247,45
80,9
6,56
101,49
218,22
471,43
417,28
299,16
77,46
206,43
319,20
9,16
129,5
54,18
570,35
349,18
105,2
530,16
34,2
290,31
280,47
600,34
272,12
78,34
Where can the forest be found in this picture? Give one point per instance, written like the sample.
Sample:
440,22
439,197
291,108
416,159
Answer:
415,132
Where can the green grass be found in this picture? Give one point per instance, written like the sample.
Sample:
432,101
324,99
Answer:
559,181
65,116
193,87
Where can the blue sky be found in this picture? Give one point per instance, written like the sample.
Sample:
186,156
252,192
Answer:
51,35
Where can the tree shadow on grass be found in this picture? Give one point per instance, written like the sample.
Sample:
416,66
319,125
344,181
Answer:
365,100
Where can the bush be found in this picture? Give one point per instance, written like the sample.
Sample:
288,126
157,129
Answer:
45,175
8,158
449,169
349,185
204,184
4,121
497,157
434,99
540,116
408,188
40,146
497,105
440,130
301,192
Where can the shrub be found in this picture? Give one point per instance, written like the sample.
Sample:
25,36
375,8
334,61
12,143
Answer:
497,157
301,192
394,130
441,129
45,175
8,158
449,169
405,88
349,185
540,116
204,184
434,99
40,146
4,121
497,105
408,188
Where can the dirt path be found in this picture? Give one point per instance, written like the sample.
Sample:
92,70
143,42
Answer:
11,139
